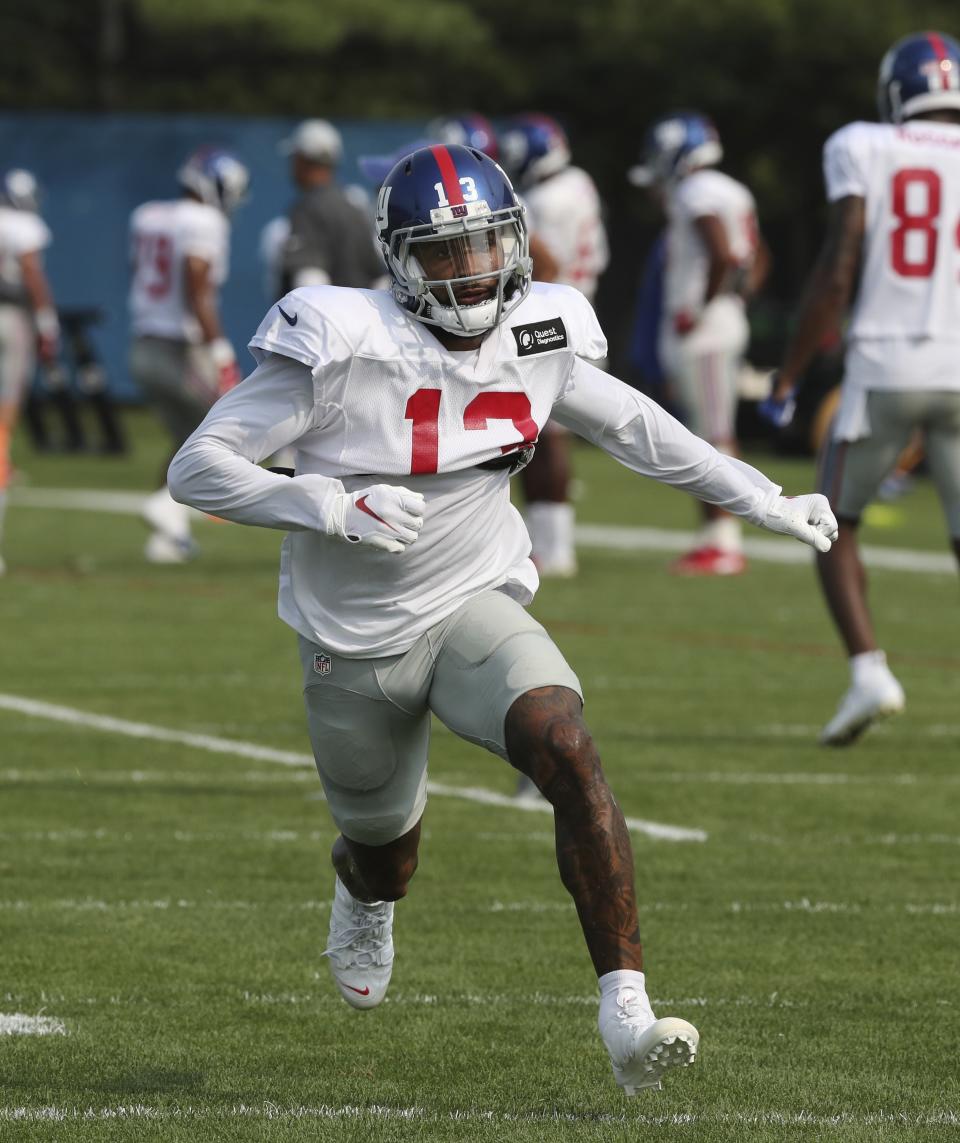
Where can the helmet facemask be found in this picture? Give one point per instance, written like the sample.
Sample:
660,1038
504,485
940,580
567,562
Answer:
465,271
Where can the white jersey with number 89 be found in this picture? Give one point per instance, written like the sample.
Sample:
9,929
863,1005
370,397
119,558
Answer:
909,176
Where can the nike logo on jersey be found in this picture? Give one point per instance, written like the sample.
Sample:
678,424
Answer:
362,505
365,991
287,318
540,336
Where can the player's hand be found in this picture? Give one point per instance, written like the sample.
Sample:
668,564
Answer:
779,407
382,516
48,349
48,335
225,362
806,518
684,322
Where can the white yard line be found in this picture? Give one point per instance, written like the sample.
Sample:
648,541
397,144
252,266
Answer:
616,538
764,1117
605,536
546,838
308,777
215,745
20,1024
82,499
802,906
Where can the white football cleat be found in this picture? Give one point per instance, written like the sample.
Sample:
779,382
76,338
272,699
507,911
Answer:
163,549
556,567
161,513
643,1049
360,947
863,704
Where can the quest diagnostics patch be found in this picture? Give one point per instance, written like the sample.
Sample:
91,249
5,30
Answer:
540,336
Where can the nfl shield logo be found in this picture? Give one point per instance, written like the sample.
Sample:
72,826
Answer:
322,664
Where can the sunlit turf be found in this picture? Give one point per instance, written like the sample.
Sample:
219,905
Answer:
169,905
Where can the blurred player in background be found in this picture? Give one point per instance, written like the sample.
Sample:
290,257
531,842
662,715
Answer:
273,240
180,357
406,567
466,129
568,245
892,247
28,318
331,239
715,260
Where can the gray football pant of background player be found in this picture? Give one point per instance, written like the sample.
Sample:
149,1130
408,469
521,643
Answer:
17,364
852,471
174,383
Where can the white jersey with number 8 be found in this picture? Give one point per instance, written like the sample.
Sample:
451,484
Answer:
909,176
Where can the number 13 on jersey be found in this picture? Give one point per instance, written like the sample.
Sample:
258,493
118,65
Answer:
423,409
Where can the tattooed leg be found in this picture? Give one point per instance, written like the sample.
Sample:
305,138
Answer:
547,739
377,872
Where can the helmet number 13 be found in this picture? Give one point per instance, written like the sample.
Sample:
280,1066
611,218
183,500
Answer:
468,191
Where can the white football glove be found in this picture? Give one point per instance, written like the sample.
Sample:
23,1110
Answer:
807,518
380,516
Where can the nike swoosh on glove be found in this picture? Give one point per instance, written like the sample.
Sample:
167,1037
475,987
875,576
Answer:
380,516
808,518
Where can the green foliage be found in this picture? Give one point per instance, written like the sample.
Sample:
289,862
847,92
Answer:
777,75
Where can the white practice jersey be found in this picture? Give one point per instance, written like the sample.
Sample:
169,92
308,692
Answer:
21,232
367,395
909,177
564,211
162,236
701,193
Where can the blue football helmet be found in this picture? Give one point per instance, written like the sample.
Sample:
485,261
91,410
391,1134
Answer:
469,130
674,146
454,239
216,177
534,147
919,73
19,189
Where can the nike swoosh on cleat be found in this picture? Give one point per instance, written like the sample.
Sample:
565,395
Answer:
365,991
287,318
362,505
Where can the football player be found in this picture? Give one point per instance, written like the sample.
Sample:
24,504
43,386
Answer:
406,569
179,357
715,260
469,129
892,248
29,327
331,240
569,245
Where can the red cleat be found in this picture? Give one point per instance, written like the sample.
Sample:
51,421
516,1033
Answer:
710,561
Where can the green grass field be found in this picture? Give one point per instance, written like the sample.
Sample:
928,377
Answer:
164,906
